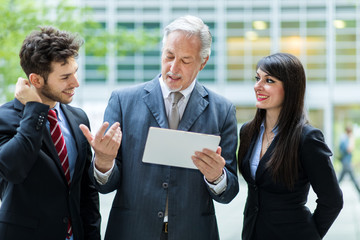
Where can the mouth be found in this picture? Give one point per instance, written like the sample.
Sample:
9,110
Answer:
261,97
173,76
69,92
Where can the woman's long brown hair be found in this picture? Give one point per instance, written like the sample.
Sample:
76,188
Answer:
284,162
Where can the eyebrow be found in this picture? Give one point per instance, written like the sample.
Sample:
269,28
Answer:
186,57
266,75
68,74
169,51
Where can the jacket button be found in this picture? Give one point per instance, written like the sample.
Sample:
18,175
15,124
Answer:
65,220
160,214
165,185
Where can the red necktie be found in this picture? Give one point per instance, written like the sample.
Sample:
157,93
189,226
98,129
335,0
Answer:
60,146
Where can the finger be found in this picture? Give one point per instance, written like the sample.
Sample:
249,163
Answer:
214,156
119,138
203,160
118,135
198,163
116,140
85,130
204,168
209,171
19,84
23,81
110,135
99,135
210,153
115,126
208,156
218,150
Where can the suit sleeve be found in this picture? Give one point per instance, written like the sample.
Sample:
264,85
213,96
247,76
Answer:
318,166
21,140
228,144
89,202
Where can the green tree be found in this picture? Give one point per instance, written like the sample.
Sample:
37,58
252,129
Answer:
19,17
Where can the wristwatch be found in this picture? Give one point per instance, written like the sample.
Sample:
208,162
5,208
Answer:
219,179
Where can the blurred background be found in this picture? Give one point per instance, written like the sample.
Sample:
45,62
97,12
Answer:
123,43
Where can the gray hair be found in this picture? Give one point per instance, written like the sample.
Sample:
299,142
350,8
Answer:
192,26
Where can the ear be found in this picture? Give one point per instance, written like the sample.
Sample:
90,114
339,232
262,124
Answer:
204,63
36,80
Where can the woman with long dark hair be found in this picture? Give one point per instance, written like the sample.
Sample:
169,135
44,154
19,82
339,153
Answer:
281,155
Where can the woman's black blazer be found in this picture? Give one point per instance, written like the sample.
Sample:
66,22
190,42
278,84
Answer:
272,211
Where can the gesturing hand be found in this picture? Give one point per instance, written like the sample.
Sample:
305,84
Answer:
105,145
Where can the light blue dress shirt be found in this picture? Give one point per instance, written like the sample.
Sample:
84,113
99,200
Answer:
68,137
69,141
255,156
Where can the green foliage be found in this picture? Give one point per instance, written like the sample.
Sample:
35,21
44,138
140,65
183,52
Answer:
19,17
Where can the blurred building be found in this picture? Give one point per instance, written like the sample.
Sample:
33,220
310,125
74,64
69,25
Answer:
324,34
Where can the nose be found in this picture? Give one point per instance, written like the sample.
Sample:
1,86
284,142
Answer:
258,85
75,81
175,65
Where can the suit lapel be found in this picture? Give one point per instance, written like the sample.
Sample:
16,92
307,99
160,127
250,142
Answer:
155,102
194,108
266,158
246,162
50,147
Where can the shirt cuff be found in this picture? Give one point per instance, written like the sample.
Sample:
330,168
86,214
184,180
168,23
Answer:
100,177
220,187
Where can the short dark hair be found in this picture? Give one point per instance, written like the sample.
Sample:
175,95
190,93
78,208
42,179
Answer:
42,47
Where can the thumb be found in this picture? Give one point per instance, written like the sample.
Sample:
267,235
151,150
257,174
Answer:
85,130
218,150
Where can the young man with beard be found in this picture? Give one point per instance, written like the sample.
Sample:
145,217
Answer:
45,189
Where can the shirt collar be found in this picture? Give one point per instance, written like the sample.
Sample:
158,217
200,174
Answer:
58,111
166,92
274,130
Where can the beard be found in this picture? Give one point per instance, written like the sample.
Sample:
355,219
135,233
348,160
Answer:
173,89
47,92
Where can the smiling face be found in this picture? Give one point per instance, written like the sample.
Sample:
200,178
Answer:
180,60
61,83
269,92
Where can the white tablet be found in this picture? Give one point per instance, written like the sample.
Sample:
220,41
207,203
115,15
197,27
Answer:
175,148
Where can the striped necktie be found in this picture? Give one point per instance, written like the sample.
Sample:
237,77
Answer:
60,147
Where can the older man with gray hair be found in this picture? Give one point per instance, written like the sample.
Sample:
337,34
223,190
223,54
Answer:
164,202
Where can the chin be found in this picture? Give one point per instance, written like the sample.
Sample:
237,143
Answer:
259,106
66,101
174,88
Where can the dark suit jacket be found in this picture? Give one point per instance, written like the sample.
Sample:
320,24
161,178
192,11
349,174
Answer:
36,201
138,208
272,211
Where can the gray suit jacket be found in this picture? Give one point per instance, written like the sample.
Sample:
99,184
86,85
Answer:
139,205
